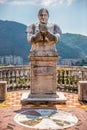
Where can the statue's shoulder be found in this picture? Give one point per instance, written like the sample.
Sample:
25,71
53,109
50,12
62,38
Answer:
31,27
53,25
57,29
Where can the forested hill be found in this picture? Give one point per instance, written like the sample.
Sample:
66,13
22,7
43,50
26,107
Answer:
72,46
13,41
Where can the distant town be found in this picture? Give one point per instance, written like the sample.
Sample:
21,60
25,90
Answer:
11,60
18,60
73,62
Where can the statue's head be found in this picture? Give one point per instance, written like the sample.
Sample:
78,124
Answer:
43,15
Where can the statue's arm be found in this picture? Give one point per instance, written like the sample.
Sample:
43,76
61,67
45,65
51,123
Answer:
57,32
29,32
53,37
32,36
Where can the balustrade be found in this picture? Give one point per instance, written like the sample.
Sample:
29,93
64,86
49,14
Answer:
18,77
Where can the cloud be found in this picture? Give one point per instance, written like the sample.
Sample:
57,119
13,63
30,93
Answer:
47,2
2,1
22,2
38,2
52,2
69,2
18,2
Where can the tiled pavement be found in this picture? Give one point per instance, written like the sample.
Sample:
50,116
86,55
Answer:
11,106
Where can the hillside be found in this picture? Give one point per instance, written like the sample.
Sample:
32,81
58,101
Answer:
72,46
13,41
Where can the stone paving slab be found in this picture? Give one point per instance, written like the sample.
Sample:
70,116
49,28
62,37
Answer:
7,119
12,106
14,100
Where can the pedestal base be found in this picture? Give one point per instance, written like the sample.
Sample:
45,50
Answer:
45,99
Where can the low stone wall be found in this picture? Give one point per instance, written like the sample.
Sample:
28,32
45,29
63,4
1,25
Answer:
18,77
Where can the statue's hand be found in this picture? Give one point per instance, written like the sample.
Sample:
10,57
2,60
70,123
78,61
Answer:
43,29
38,35
36,38
51,37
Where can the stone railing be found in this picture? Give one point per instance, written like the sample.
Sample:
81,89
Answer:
18,77
68,77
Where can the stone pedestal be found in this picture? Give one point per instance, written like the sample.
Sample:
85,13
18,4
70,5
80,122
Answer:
43,83
82,90
43,75
3,90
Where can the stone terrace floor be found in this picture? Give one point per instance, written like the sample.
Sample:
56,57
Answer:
11,106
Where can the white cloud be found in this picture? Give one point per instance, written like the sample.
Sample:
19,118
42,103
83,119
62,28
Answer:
52,2
38,2
47,2
21,2
2,1
69,2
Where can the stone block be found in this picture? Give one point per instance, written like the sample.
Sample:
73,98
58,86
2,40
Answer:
3,90
82,90
57,98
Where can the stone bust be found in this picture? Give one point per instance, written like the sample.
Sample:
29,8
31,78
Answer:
43,33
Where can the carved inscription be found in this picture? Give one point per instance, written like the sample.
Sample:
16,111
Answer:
43,70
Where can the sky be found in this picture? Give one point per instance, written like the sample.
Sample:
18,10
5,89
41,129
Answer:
70,15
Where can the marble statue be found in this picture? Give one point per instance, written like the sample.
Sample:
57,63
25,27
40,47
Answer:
43,58
43,32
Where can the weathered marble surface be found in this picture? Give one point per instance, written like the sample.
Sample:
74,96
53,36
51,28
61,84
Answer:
43,75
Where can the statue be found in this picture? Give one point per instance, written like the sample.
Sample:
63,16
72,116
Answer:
43,60
43,32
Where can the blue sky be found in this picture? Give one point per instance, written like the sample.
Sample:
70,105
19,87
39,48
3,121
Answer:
70,15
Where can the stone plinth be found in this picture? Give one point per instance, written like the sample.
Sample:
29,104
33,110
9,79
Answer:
82,90
43,82
3,90
43,75
43,58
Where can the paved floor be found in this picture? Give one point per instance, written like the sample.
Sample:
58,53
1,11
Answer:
11,106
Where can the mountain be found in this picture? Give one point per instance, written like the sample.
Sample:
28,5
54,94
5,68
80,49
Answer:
13,41
72,46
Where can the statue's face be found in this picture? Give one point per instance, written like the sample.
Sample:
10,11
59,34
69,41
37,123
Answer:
43,17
